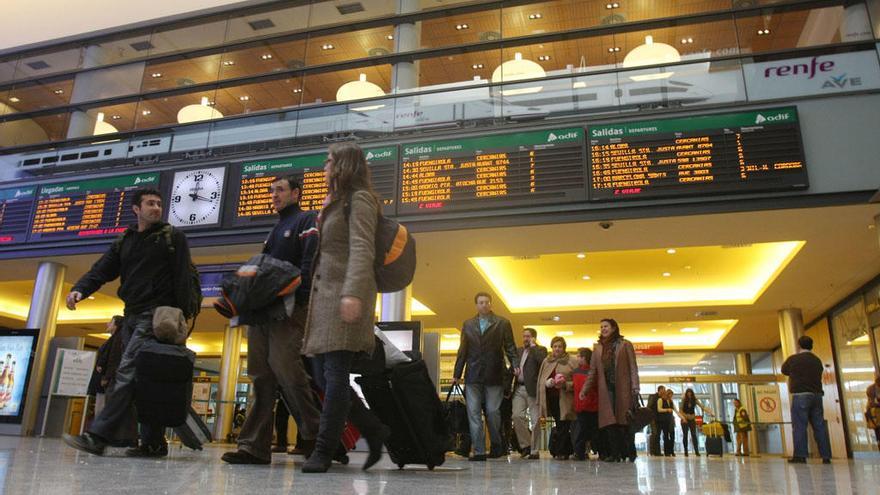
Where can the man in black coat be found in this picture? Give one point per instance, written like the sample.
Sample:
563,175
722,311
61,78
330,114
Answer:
525,394
485,341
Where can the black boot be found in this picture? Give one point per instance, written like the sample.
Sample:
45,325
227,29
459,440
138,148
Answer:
317,463
376,441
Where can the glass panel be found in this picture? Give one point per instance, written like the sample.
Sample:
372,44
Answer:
803,28
107,119
49,63
7,69
874,11
39,95
254,129
367,118
762,363
325,87
453,71
34,130
267,23
129,46
201,35
237,100
263,58
856,368
461,29
344,11
180,73
685,42
447,109
339,47
692,84
171,110
108,83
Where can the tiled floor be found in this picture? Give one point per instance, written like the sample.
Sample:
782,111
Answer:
35,466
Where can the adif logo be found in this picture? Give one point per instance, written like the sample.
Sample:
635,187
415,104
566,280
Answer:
760,119
568,135
779,117
369,155
552,137
139,180
384,154
25,192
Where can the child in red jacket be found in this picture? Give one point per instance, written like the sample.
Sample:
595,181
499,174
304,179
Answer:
587,410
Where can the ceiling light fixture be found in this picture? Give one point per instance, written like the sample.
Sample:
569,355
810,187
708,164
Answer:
58,91
298,90
516,70
610,6
14,99
156,75
687,41
614,49
671,251
565,333
667,274
461,26
477,66
146,112
555,318
228,63
690,330
651,53
266,56
358,90
763,32
116,117
581,256
535,16
244,98
544,58
585,277
389,37
198,113
327,46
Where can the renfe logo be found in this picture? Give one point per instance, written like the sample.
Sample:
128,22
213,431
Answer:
800,69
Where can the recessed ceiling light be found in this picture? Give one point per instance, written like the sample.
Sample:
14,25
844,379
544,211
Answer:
585,277
14,99
687,267
156,75
116,117
654,330
544,58
91,298
581,256
389,37
146,112
555,318
534,16
871,226
244,98
614,49
58,91
228,63
266,56
327,46
461,26
670,251
477,66
565,333
667,274
298,90
613,5
451,336
690,330
763,32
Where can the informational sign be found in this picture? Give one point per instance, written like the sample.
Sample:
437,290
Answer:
767,404
739,152
817,75
252,201
16,353
15,213
683,379
74,370
493,171
648,348
89,208
201,393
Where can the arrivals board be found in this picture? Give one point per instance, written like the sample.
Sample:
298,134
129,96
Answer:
88,208
15,213
526,168
738,152
252,202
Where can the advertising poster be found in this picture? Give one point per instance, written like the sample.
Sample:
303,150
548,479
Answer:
15,360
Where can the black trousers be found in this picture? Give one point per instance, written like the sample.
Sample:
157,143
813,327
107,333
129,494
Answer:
584,431
620,441
282,415
667,433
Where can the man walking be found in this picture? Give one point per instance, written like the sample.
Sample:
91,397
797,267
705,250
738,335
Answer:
152,261
485,340
274,348
525,394
804,372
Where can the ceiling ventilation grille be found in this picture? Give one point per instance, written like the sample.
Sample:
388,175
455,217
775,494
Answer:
142,46
350,8
261,24
38,65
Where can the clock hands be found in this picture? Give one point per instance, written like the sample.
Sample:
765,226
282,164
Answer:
196,196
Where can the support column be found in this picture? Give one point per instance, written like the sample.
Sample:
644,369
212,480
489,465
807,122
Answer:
406,38
43,314
791,328
744,367
397,306
230,366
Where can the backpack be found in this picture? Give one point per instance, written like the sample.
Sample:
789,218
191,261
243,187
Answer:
193,304
395,263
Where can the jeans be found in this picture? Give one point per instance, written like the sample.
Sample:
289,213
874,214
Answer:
807,407
584,431
526,427
331,372
475,395
113,423
689,427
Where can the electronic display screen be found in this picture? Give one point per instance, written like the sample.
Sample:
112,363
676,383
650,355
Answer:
15,213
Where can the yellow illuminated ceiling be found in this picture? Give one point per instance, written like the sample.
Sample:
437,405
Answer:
15,300
416,309
644,278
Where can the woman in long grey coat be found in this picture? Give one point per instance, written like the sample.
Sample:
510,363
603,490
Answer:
613,370
343,302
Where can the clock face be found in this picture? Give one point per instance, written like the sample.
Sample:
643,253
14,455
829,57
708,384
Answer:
195,197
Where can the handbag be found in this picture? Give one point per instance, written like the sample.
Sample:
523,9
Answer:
640,416
169,325
456,417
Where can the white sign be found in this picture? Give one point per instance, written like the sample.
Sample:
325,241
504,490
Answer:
767,404
823,74
74,372
200,396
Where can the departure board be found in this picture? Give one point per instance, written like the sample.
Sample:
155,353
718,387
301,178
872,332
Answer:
738,152
15,213
89,208
493,171
252,201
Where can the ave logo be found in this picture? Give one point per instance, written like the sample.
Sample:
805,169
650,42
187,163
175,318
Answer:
842,82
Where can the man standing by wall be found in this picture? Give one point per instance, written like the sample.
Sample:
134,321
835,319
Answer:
525,394
274,347
804,372
152,261
485,340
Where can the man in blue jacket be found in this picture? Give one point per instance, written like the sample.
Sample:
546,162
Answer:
274,348
485,341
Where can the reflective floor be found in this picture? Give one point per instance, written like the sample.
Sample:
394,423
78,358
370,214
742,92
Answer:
34,466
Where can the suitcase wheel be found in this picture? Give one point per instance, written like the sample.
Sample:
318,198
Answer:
430,467
400,466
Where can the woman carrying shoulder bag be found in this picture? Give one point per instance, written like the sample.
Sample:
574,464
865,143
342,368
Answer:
556,396
342,303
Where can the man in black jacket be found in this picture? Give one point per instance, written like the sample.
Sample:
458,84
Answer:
274,348
152,273
485,340
804,371
525,394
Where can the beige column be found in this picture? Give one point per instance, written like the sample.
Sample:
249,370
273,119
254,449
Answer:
230,366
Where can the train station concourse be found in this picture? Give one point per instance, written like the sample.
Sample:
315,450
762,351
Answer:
704,172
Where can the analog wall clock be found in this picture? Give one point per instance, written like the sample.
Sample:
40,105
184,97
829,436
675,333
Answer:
195,197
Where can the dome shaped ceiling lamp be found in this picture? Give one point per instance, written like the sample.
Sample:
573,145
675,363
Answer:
359,90
102,127
651,54
518,69
198,113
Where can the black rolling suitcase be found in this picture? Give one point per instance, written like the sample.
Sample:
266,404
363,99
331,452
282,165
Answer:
405,399
193,432
715,446
163,383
